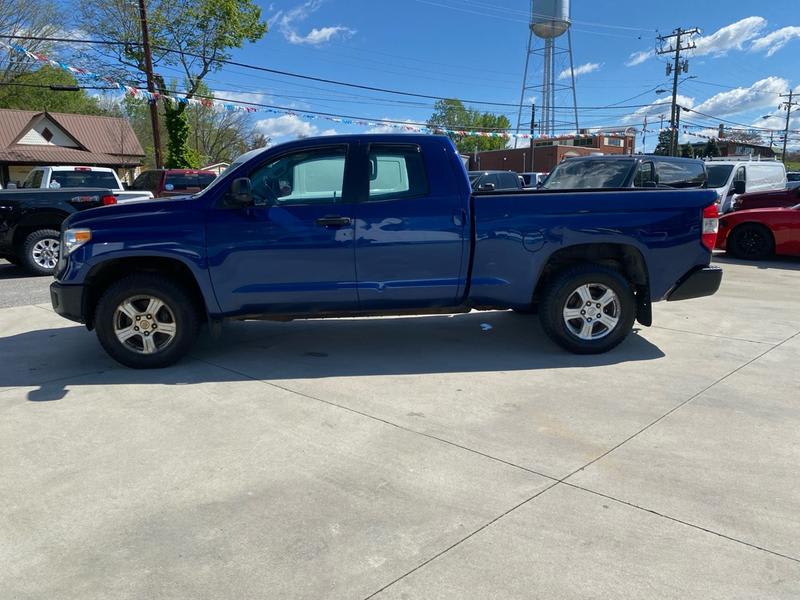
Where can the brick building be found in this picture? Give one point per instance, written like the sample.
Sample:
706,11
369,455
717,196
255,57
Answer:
547,153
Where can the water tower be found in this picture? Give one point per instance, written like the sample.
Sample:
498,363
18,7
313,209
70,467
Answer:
549,53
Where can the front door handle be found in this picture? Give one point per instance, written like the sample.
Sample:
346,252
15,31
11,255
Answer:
333,221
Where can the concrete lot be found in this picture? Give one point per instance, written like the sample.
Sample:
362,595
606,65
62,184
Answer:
426,457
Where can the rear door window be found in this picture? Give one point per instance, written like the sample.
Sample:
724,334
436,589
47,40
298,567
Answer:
396,172
688,174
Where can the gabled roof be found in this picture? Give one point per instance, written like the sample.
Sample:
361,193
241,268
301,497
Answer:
104,140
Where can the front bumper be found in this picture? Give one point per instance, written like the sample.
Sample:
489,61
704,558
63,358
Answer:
67,301
699,282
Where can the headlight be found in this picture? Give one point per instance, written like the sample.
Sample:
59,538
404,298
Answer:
75,238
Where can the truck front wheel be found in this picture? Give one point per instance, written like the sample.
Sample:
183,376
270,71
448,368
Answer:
146,321
588,309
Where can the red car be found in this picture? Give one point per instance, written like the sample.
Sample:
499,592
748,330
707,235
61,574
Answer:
772,198
173,182
760,233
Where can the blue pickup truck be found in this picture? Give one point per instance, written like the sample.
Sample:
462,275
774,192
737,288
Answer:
377,225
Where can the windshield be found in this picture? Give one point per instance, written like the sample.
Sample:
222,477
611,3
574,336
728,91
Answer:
588,174
718,175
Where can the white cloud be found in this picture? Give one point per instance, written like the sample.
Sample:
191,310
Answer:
584,69
286,126
654,110
638,58
286,20
762,94
772,42
318,36
730,37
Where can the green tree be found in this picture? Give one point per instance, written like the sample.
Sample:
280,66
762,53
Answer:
191,35
452,114
221,135
35,19
687,151
32,91
664,141
711,148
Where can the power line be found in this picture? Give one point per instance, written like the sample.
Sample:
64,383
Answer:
265,69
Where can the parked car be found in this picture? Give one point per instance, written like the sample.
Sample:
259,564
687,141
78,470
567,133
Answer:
730,177
533,179
377,225
490,181
173,182
771,199
45,178
793,176
760,233
30,223
626,171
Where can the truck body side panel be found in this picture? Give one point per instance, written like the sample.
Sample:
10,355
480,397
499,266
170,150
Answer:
516,235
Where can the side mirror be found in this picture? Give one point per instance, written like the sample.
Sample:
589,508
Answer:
487,187
241,193
739,187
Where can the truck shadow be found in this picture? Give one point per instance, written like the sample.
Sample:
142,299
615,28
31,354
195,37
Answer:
50,360
9,271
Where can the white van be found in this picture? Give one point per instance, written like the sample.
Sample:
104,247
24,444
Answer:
730,176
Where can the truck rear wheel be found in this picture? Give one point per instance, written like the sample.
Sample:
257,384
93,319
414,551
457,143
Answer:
146,321
40,251
588,309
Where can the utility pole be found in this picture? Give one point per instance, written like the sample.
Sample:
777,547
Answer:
533,131
675,69
674,139
788,106
148,65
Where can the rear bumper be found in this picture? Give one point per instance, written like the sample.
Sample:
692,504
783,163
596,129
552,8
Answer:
699,282
67,301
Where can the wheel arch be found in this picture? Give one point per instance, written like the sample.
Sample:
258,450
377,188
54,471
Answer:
46,219
106,273
627,259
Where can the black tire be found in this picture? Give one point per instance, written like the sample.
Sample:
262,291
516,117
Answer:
181,313
32,258
751,241
562,290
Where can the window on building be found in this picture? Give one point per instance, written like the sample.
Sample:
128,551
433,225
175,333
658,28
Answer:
583,142
614,141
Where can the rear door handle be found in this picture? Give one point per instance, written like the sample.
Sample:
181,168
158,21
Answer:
333,221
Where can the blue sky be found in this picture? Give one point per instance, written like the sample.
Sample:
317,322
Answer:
475,49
